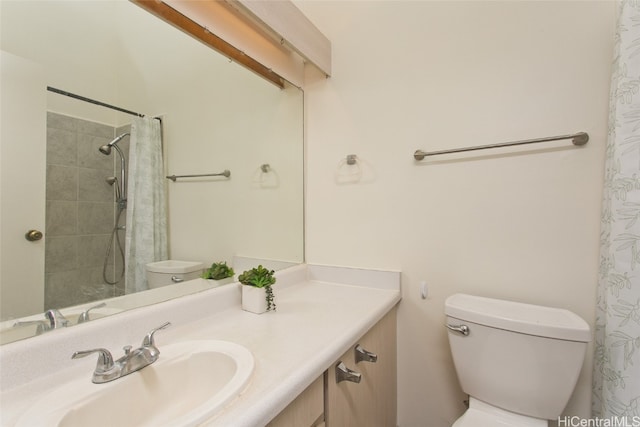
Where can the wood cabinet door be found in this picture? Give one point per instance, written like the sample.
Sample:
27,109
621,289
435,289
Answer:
372,402
307,410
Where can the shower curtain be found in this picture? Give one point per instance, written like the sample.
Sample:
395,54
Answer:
146,229
616,379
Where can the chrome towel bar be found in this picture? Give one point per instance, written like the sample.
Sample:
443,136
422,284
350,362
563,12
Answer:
224,173
579,138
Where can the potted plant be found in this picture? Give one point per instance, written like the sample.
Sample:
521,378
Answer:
220,272
257,293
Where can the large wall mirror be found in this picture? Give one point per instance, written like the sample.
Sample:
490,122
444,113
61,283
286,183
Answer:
215,115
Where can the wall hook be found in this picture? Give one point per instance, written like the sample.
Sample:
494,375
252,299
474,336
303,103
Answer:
352,159
265,167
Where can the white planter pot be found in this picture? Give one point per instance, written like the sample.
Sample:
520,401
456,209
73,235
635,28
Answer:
254,299
216,283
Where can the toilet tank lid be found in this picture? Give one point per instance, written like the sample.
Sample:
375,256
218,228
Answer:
528,319
174,266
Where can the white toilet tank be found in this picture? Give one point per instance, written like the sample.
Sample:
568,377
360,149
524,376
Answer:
169,272
519,357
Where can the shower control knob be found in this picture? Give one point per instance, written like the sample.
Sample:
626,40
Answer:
33,235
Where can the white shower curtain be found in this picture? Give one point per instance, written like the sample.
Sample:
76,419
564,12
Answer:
146,229
616,380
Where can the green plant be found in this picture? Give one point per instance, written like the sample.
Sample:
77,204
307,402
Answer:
260,277
218,271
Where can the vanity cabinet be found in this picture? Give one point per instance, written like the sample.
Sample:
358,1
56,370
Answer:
372,401
307,410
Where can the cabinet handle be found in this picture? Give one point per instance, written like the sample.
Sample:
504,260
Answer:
363,355
345,374
176,279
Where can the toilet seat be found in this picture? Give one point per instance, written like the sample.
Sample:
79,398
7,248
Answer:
481,414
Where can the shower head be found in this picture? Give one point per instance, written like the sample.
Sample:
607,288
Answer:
106,149
111,180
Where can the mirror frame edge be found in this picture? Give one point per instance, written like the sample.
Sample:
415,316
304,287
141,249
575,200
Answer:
204,35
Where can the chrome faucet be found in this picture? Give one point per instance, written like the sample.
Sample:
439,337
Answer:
84,316
54,320
133,360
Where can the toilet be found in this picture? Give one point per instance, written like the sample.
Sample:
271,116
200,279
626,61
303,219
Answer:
518,363
170,272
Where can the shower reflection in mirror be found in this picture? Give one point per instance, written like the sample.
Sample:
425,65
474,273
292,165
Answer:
115,243
88,195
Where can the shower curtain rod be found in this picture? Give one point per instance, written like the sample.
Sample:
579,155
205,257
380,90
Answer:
579,138
93,101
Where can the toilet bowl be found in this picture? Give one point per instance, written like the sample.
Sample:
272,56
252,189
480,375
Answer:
518,363
169,272
481,414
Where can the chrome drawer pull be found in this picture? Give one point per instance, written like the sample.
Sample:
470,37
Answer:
345,374
364,355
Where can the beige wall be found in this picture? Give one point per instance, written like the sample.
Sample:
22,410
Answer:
513,224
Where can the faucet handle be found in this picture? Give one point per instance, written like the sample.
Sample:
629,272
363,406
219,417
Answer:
56,319
41,325
148,340
106,370
84,316
105,360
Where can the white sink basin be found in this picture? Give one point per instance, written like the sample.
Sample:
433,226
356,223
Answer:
190,382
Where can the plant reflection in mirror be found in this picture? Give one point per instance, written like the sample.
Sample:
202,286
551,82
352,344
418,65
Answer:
218,271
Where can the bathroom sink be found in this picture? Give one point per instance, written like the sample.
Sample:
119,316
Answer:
190,382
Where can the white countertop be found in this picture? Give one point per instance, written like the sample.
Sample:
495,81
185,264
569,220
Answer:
315,323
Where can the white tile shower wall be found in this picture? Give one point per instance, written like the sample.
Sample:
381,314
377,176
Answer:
514,224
